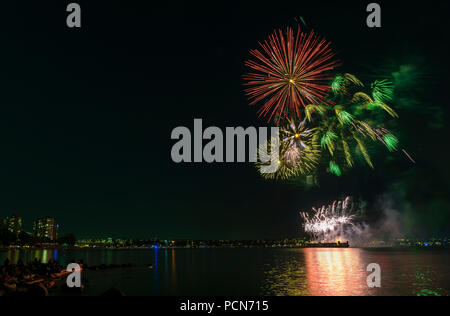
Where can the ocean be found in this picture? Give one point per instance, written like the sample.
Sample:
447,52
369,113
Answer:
254,272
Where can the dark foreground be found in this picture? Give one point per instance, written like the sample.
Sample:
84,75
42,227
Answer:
247,272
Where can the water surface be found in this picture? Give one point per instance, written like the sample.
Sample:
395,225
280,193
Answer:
251,272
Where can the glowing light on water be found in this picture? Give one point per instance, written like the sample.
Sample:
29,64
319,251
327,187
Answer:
328,223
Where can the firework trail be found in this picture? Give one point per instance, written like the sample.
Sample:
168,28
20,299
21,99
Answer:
298,155
291,73
330,223
325,120
301,146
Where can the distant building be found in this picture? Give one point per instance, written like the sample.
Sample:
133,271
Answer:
45,228
3,225
14,224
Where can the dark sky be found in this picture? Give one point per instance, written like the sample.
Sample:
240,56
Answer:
86,115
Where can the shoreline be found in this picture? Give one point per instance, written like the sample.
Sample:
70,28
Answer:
5,249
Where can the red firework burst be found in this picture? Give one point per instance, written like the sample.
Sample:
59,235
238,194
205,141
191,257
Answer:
292,73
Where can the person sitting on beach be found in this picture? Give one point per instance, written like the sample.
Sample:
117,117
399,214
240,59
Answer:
6,281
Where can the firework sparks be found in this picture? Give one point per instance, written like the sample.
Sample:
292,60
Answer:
383,91
335,169
343,131
296,135
299,153
341,83
300,144
329,222
291,73
291,161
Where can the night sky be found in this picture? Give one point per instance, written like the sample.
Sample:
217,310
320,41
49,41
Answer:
86,116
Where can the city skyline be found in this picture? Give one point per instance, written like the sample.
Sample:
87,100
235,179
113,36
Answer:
53,230
42,228
89,143
218,156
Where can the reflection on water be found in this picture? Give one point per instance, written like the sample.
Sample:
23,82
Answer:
337,272
251,272
174,271
42,256
342,272
317,272
424,282
285,278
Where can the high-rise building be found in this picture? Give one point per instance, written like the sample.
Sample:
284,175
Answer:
45,228
14,224
3,225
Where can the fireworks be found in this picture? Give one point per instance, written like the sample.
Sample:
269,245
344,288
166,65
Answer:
291,73
296,135
335,169
341,83
300,144
276,167
298,154
338,140
342,131
329,223
383,91
329,121
327,141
